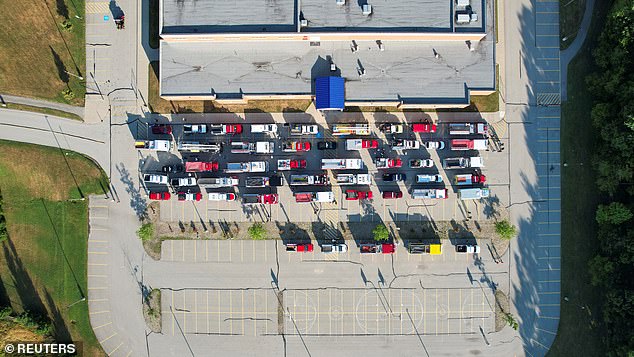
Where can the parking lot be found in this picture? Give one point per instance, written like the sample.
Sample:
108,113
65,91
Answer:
378,209
328,311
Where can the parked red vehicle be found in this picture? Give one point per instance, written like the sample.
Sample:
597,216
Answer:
424,128
355,195
307,247
160,196
199,166
392,194
161,129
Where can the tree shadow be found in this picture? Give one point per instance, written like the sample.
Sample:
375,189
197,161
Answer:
21,282
137,202
60,329
62,9
291,233
62,72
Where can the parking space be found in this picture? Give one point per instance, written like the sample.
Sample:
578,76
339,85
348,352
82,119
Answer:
378,209
269,252
220,312
328,312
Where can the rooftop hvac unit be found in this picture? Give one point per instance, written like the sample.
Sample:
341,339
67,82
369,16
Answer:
303,22
341,2
367,9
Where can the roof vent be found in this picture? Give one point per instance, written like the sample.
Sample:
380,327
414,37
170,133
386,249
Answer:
303,22
367,9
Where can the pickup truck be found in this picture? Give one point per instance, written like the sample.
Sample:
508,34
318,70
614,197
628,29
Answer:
468,128
421,248
263,128
467,248
158,145
304,129
423,127
358,144
307,197
260,181
218,182
305,247
420,163
195,146
305,180
295,146
430,193
402,144
385,163
341,164
353,179
334,248
259,147
469,144
222,196
199,166
253,198
223,129
374,248
473,193
253,166
183,181
357,195
469,179
288,164
159,196
390,128
194,128
462,162
428,178
155,178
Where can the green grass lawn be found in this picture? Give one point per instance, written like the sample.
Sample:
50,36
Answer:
36,50
570,17
580,332
49,111
43,265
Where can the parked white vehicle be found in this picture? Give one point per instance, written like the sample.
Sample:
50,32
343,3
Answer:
263,128
154,178
222,196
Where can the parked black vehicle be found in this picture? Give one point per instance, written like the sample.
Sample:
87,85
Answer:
173,169
326,145
394,177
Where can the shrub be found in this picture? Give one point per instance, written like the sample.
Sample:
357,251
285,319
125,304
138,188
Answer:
257,231
381,233
505,229
146,232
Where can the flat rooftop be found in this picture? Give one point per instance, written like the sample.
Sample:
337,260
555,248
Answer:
405,70
387,15
240,16
218,16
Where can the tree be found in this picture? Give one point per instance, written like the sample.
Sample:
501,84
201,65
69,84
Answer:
505,229
146,232
615,213
601,270
510,319
381,233
257,231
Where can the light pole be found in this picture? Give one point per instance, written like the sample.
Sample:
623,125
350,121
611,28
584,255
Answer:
74,75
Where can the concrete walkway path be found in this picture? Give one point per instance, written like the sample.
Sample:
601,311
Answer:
569,53
43,104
